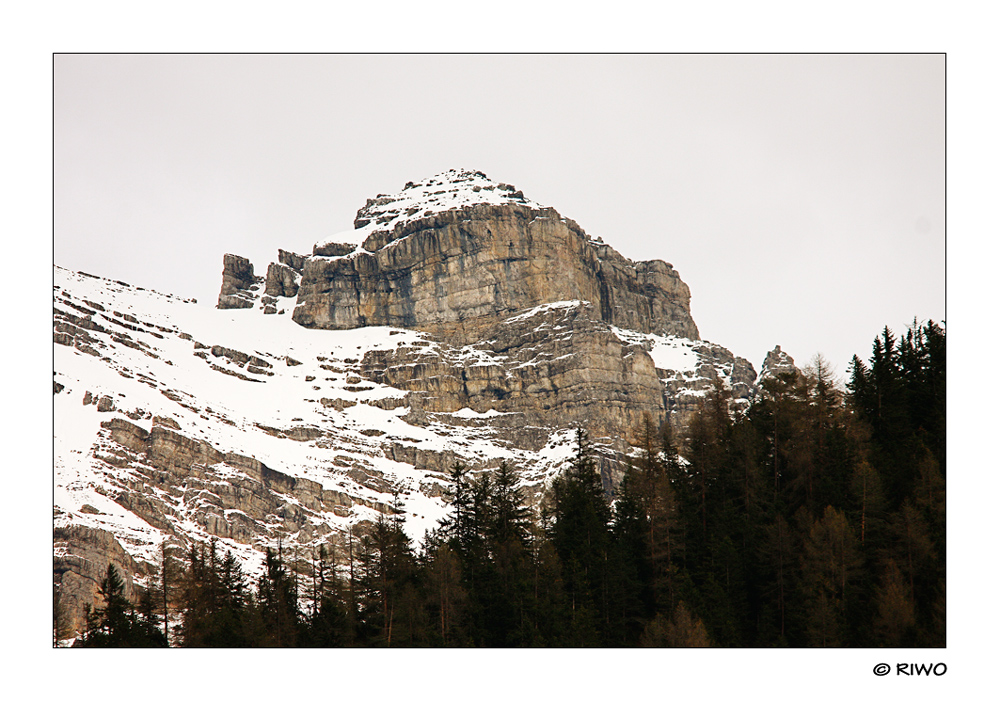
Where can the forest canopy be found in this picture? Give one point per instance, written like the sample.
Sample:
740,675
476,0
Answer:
814,518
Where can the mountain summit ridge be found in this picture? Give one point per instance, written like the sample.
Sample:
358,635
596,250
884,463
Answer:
455,250
452,189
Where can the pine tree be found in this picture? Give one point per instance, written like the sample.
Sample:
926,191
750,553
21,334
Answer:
387,595
631,565
458,526
215,603
329,619
508,576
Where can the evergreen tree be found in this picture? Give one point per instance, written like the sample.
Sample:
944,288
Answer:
388,597
508,576
457,527
215,604
631,566
582,539
901,395
329,618
117,624
279,618
830,566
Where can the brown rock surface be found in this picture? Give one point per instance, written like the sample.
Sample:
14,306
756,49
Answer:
292,260
82,555
238,283
457,269
281,281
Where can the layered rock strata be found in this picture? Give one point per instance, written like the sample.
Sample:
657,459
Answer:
450,270
239,284
559,365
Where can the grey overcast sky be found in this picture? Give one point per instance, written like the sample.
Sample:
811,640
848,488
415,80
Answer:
801,197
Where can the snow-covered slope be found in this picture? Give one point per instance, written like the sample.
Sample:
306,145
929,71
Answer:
275,422
137,355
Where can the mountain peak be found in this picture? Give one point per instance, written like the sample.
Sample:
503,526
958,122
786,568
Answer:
458,250
452,189
467,324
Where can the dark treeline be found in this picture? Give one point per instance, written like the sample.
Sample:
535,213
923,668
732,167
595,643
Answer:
816,518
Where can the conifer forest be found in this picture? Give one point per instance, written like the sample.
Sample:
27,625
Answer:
814,519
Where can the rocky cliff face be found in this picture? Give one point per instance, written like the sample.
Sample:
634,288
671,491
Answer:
457,251
239,284
81,556
459,321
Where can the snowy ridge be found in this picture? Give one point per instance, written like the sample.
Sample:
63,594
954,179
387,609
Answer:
453,189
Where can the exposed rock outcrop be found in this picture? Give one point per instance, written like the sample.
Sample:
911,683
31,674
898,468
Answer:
292,260
239,284
281,281
777,364
451,265
82,555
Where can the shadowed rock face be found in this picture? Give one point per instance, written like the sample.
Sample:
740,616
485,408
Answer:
550,367
238,283
281,281
457,270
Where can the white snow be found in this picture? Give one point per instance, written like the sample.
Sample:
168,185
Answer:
547,307
228,412
469,413
674,353
452,189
